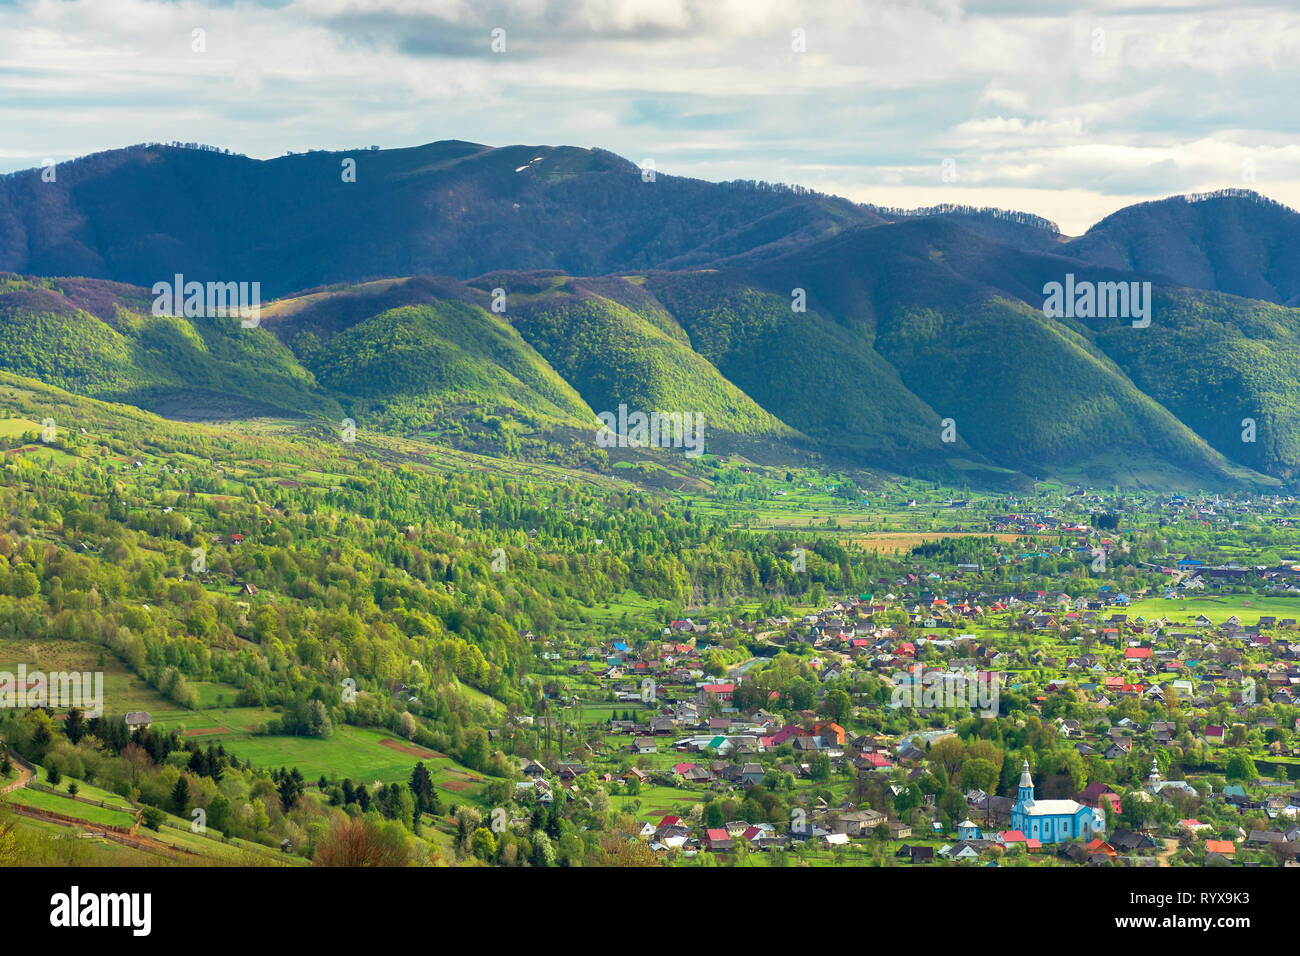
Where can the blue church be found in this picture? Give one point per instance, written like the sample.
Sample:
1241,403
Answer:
1052,821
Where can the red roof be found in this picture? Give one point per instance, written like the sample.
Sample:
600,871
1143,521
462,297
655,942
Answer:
670,821
719,688
785,733
716,835
1013,836
1220,846
1139,653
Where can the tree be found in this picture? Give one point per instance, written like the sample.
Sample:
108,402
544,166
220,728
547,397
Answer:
837,705
979,774
318,720
949,753
713,815
408,725
1241,767
819,766
543,850
483,845
74,728
181,797
356,841
219,813
152,817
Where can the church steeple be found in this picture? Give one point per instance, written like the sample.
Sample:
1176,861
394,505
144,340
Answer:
1153,781
1026,786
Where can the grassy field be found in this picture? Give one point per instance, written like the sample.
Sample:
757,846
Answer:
89,791
1218,608
67,846
41,800
357,752
895,542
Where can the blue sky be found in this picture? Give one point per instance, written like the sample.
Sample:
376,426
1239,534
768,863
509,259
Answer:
1064,110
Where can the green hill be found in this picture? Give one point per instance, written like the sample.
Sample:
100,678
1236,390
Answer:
429,359
615,354
100,339
815,374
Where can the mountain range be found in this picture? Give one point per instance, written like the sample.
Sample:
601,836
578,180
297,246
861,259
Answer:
518,291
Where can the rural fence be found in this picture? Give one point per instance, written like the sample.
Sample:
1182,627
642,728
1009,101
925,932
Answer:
46,788
54,817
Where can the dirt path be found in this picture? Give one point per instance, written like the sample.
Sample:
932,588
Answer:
1171,847
24,775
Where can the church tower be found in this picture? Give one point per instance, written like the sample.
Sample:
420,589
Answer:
1153,781
1026,787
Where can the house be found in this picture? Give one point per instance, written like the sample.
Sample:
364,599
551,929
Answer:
1130,840
916,854
1117,749
1010,838
858,823
830,731
139,720
719,692
1100,795
1265,838
1224,847
717,840
1100,846
960,851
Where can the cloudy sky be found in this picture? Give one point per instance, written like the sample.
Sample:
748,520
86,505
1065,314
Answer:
1070,111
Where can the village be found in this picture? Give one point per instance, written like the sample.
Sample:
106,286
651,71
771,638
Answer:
1120,733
